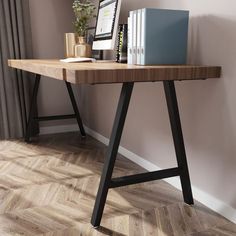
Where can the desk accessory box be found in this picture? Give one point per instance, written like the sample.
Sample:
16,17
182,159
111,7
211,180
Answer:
157,36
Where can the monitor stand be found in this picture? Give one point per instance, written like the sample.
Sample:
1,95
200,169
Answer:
101,55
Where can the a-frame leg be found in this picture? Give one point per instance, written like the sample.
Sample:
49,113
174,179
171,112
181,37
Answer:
107,181
76,110
33,105
173,110
112,153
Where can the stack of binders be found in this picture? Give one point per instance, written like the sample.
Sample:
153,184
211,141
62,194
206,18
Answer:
157,36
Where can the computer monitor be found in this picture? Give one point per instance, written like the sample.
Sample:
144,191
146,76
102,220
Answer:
106,25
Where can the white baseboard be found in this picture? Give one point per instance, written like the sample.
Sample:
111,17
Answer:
210,201
58,129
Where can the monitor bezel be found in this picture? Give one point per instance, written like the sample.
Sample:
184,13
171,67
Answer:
113,24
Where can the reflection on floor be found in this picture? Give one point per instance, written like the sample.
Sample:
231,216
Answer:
48,188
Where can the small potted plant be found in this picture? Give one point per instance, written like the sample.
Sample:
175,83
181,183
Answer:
84,12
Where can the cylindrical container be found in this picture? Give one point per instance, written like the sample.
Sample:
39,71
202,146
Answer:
82,49
70,42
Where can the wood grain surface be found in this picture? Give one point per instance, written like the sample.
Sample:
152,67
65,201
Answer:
48,188
102,72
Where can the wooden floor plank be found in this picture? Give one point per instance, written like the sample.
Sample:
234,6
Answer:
49,187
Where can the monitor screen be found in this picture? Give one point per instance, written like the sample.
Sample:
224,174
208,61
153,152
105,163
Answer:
107,24
106,19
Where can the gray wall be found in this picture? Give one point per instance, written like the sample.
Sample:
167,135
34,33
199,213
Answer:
207,108
50,19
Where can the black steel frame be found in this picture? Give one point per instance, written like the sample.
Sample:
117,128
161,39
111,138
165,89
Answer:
107,181
33,105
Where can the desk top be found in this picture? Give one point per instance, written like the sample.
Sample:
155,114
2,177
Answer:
111,72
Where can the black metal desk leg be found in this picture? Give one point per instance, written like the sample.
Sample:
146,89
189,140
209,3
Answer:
112,152
173,110
76,110
33,105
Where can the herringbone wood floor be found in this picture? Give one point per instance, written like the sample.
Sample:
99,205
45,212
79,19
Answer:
48,188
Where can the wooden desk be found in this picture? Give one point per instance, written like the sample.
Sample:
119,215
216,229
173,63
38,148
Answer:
109,72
